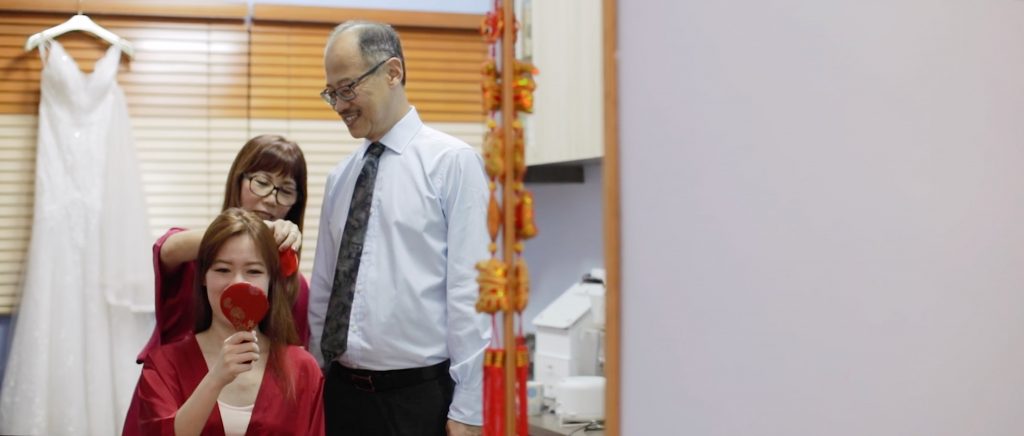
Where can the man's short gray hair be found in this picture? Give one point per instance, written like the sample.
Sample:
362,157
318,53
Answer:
377,41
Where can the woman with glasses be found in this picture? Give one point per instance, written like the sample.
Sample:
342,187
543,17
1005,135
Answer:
268,178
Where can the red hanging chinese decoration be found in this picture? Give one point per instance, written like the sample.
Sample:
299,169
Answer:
507,86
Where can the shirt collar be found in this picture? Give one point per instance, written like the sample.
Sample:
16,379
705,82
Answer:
401,134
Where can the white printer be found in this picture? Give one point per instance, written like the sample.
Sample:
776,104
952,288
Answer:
569,343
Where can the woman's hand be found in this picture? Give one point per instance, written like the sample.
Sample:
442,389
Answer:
238,354
286,234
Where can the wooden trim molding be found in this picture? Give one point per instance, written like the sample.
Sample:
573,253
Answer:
610,176
177,9
394,17
224,9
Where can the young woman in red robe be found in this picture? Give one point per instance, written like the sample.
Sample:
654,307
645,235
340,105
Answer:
222,382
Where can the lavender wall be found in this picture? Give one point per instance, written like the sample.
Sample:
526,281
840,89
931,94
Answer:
569,244
822,217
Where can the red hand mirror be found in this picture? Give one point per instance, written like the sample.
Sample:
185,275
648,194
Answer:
244,305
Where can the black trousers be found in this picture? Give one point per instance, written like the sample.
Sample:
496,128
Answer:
354,405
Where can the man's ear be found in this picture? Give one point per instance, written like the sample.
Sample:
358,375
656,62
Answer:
395,71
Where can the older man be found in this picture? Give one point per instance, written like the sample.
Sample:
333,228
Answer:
403,224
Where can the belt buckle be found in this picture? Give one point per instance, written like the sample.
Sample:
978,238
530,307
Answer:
363,382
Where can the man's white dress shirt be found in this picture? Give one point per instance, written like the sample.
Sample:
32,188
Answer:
416,289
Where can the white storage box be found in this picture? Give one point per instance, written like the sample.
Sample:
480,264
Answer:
580,399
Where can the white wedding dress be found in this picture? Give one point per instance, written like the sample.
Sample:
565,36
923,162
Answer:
87,295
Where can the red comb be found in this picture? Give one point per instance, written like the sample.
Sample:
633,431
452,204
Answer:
289,262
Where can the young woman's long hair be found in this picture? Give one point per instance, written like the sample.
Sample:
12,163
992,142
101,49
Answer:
275,155
278,325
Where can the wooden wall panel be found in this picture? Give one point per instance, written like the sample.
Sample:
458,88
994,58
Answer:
442,69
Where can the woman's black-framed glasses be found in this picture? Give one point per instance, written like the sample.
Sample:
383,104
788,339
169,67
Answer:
347,92
261,186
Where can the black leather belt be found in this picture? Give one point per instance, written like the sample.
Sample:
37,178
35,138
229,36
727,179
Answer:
380,381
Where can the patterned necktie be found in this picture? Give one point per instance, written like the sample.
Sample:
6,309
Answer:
339,310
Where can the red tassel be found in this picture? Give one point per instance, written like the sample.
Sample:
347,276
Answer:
494,392
522,366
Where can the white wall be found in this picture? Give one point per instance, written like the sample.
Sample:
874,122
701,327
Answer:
822,213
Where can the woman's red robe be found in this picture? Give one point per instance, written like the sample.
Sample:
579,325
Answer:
172,372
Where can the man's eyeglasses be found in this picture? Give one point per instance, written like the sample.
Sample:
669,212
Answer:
261,186
347,92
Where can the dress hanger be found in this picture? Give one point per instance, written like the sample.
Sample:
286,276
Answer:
80,22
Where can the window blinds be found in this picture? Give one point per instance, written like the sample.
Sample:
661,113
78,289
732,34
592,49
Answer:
197,89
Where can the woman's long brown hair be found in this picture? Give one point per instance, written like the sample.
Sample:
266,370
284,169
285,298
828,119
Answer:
278,325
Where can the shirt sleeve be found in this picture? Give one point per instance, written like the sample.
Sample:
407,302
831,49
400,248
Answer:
323,271
465,196
167,289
